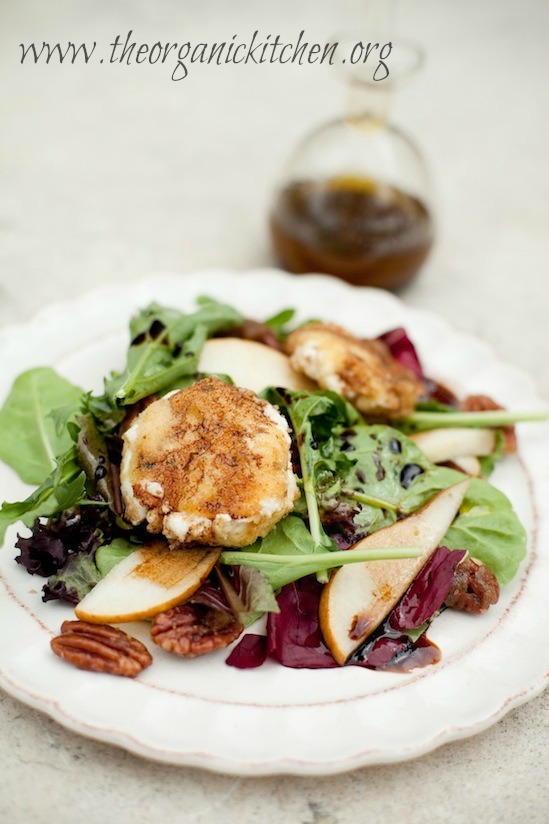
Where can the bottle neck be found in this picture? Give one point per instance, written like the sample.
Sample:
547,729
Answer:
368,106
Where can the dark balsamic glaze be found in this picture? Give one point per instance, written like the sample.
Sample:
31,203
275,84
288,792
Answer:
393,651
395,446
408,473
380,472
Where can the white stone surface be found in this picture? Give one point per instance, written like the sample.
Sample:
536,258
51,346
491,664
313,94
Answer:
109,172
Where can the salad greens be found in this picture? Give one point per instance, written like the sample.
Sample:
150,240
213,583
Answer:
78,577
109,555
163,353
363,477
281,569
64,488
164,349
355,477
248,593
30,442
422,420
279,323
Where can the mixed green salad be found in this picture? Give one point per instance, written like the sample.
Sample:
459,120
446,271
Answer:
356,477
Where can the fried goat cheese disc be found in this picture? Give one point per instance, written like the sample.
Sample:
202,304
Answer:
209,464
363,371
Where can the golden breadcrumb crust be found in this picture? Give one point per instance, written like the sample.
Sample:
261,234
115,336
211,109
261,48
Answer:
363,371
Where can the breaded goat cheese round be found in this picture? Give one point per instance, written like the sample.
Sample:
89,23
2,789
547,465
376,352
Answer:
363,371
209,464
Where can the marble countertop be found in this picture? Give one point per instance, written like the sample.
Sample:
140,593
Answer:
110,172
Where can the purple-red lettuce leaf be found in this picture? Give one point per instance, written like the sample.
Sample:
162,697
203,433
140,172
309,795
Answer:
400,642
402,349
293,635
49,545
428,590
43,552
249,653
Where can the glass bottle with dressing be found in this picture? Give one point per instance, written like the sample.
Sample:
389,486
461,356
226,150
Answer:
354,198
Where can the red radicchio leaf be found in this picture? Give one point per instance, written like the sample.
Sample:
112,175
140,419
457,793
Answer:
427,592
293,634
249,653
389,648
294,638
396,653
402,349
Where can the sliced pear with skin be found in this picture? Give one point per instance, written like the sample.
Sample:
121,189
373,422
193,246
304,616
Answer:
468,464
150,580
359,596
441,445
251,365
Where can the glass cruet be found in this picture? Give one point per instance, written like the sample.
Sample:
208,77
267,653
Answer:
354,199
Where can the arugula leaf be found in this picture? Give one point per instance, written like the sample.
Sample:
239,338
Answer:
282,569
30,442
64,488
312,417
164,350
353,473
419,421
279,322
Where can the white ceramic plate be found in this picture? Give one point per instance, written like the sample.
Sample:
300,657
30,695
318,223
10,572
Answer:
272,719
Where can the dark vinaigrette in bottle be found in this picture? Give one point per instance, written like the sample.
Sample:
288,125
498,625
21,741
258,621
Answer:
365,232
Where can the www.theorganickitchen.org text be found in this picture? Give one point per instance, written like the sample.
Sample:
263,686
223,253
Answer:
127,50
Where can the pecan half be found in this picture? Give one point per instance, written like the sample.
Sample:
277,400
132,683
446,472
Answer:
194,629
474,588
483,403
100,648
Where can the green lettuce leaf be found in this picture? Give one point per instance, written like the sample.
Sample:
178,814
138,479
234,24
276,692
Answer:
486,526
353,471
109,555
489,529
30,441
64,488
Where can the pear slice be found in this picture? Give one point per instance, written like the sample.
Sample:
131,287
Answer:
251,365
150,580
441,445
359,596
468,464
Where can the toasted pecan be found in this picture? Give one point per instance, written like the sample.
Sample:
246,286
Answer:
474,588
101,648
194,629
